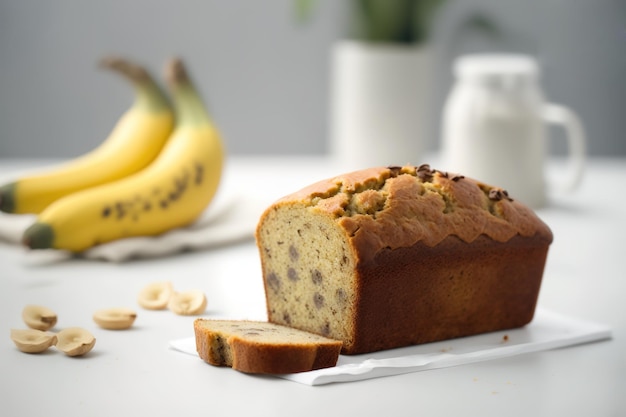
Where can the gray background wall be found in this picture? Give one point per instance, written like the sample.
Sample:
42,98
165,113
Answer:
265,75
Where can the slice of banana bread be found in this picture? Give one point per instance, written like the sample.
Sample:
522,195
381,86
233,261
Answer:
261,347
389,257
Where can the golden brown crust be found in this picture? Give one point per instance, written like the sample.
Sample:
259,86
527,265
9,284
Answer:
392,207
264,359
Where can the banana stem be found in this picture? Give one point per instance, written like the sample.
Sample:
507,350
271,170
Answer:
190,109
149,94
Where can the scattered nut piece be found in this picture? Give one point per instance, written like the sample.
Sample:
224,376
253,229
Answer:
32,341
187,303
115,318
75,341
155,296
39,317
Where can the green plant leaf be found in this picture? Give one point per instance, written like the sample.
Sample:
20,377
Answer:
394,21
304,9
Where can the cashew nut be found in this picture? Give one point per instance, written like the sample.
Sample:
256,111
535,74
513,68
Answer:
39,317
115,318
75,341
32,341
155,296
187,303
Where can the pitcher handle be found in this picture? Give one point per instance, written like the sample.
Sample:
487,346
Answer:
562,116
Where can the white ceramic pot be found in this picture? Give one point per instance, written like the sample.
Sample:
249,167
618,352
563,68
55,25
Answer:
381,103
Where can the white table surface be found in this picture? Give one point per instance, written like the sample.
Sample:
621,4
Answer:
135,373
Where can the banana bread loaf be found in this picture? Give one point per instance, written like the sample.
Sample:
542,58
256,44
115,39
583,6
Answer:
260,347
389,257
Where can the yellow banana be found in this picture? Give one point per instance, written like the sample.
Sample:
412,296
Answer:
171,192
135,141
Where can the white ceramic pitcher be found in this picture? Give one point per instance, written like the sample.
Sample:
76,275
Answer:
494,127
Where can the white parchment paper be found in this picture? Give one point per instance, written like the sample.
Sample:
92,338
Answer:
548,330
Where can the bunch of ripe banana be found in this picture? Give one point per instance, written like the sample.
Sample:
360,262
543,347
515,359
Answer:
158,170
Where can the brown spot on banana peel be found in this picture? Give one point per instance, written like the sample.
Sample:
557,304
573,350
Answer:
199,173
106,212
121,211
137,204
